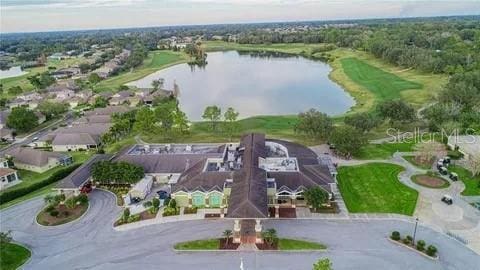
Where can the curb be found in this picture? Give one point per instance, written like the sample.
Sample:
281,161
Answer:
413,249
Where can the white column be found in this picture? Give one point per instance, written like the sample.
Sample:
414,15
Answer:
258,231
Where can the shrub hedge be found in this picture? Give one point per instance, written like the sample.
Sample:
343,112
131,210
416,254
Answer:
9,195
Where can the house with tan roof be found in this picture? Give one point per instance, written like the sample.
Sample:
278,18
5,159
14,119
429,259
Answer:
36,160
75,138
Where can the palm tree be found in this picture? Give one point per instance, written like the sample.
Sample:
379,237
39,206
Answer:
270,236
227,234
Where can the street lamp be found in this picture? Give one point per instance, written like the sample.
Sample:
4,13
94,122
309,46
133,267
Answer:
415,230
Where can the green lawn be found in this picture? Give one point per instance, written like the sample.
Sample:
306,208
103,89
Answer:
382,84
375,188
12,256
384,150
471,183
292,244
155,61
209,244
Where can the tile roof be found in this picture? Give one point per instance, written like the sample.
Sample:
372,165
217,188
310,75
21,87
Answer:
76,139
108,110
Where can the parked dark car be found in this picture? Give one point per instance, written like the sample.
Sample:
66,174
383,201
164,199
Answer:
443,170
447,160
135,200
447,199
453,176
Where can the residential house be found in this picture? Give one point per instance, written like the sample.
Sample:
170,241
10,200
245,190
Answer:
36,160
65,73
120,97
75,138
109,110
8,178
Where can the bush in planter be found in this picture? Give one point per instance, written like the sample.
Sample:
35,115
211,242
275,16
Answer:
431,251
190,210
395,236
126,214
421,245
50,208
54,213
82,199
172,203
156,203
70,202
169,211
147,204
408,240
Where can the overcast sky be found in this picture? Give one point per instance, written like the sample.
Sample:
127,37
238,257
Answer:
50,15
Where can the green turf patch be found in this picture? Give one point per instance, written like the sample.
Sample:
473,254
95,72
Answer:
382,84
12,256
384,150
375,188
292,244
209,244
471,183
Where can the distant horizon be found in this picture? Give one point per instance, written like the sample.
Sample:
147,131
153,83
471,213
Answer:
241,23
31,16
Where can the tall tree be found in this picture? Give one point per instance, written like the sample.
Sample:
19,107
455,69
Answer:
212,114
316,197
230,117
22,119
362,121
144,120
396,110
314,123
348,141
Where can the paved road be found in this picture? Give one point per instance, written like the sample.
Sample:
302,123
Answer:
39,133
91,243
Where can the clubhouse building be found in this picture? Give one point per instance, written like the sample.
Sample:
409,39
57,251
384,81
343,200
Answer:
246,181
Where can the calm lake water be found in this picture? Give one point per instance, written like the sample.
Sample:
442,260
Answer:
12,72
254,84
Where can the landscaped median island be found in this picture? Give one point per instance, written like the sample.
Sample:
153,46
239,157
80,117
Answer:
420,245
430,180
12,255
270,241
375,188
61,210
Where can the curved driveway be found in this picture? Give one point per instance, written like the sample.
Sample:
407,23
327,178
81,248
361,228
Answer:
91,243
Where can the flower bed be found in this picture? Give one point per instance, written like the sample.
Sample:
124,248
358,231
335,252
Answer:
429,251
430,181
63,211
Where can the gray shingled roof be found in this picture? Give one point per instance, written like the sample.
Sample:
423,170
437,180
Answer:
82,174
248,198
76,139
32,157
108,110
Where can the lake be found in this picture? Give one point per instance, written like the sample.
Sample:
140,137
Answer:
12,72
254,84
